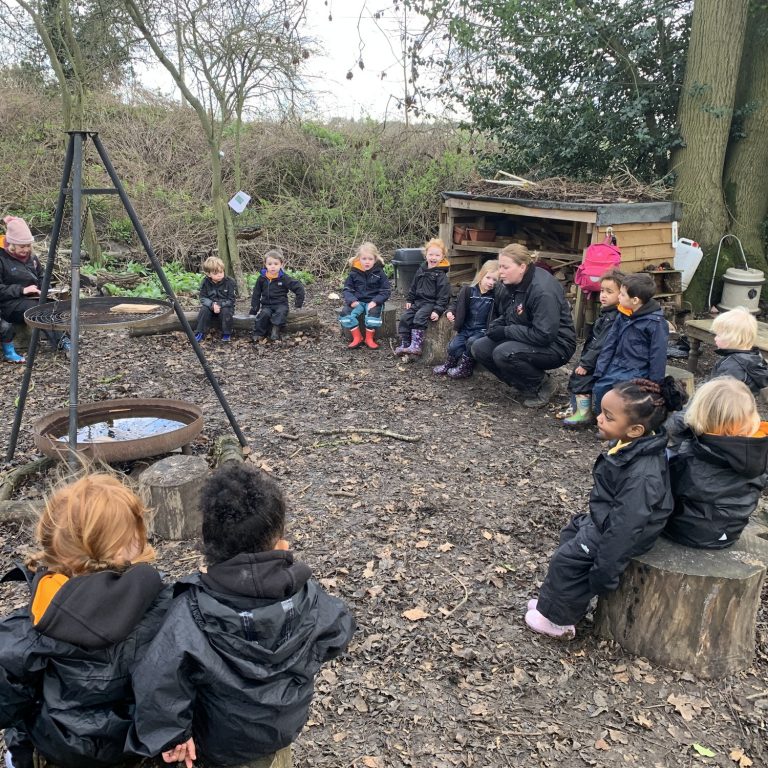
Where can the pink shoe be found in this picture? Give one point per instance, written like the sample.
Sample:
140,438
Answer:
544,626
532,604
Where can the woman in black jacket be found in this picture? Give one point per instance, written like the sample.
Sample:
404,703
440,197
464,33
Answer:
530,329
65,661
719,466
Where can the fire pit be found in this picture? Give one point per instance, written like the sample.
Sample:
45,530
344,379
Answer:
121,430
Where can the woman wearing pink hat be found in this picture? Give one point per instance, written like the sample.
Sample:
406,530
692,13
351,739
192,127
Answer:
20,277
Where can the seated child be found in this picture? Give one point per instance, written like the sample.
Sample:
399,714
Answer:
427,300
582,380
720,467
628,506
10,355
636,344
218,294
469,315
65,659
269,301
735,336
230,675
365,291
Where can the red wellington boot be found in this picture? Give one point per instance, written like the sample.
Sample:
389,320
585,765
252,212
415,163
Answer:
357,338
369,341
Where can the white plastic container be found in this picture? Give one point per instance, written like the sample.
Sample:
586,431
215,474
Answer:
688,256
742,288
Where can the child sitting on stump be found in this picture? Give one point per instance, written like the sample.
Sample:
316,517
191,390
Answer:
469,315
269,301
427,300
720,466
218,294
628,506
582,380
735,337
230,675
365,291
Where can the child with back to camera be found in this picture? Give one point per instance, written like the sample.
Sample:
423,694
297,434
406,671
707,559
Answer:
218,294
427,299
230,675
365,291
629,505
636,345
719,467
735,338
582,380
269,300
65,660
469,315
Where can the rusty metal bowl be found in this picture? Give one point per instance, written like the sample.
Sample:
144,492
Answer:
49,430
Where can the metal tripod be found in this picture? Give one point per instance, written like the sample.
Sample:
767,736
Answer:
73,172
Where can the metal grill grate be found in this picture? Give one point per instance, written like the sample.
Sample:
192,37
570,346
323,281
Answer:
103,312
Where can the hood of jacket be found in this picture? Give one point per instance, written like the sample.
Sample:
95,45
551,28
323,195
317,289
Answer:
94,610
272,575
747,456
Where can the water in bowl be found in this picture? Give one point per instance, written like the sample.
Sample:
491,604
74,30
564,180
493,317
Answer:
134,428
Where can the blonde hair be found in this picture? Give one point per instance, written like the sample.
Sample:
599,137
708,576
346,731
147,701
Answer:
723,406
518,253
366,247
436,242
489,266
89,524
213,264
737,328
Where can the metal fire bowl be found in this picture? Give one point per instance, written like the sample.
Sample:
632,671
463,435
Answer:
56,424
97,313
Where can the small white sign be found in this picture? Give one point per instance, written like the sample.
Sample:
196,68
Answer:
239,201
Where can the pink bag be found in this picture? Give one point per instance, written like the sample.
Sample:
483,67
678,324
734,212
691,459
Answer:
599,258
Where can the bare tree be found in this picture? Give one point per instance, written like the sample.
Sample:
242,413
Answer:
237,56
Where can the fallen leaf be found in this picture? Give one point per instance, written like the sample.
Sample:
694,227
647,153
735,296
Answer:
278,427
643,721
684,705
423,544
368,572
738,756
487,535
415,614
602,744
704,751
372,762
337,737
359,704
447,547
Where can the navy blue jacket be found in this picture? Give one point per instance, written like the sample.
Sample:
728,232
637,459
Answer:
745,365
431,286
273,293
366,285
223,293
472,309
636,346
594,343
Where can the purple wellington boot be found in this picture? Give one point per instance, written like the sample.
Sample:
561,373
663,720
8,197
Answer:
464,369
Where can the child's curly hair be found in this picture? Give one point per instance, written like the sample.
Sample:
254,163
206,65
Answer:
648,402
92,524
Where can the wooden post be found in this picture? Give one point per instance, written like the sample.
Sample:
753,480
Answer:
171,488
689,609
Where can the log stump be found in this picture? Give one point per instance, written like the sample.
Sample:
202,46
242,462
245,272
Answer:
688,609
388,328
171,488
436,341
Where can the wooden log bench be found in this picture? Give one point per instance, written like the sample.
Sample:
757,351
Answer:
699,331
298,320
689,609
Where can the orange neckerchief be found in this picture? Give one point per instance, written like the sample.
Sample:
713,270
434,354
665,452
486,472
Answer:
761,431
624,310
47,588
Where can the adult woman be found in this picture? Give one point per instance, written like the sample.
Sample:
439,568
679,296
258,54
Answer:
530,330
20,276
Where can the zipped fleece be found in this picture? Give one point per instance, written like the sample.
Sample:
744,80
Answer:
234,664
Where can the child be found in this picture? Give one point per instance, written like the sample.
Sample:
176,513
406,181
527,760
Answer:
65,660
427,299
469,315
628,506
269,301
720,467
636,344
218,294
735,337
582,379
230,675
365,291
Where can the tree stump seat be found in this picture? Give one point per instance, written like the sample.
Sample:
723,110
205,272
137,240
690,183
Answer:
689,609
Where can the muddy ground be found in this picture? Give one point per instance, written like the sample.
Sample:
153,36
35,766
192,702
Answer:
453,531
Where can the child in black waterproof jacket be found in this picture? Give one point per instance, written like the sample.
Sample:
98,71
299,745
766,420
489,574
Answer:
582,380
269,300
65,660
230,675
718,465
469,315
365,291
427,299
218,294
628,507
735,337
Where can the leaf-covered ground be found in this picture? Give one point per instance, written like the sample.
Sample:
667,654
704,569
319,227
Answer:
437,545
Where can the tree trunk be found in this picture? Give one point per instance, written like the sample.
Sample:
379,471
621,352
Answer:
746,183
225,230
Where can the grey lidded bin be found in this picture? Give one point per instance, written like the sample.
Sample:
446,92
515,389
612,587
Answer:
406,263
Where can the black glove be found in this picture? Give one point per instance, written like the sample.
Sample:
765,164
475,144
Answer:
497,333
